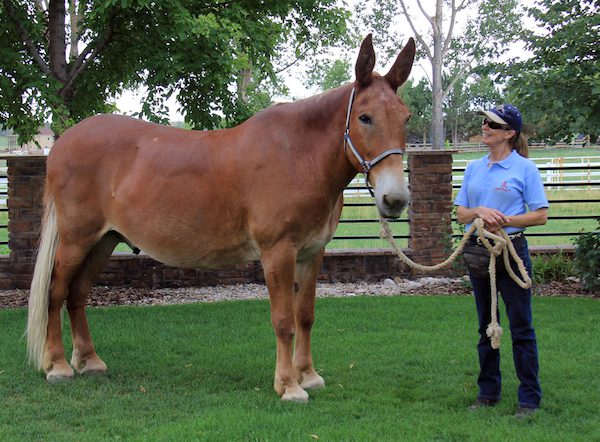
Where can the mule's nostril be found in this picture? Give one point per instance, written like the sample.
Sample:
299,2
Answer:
391,202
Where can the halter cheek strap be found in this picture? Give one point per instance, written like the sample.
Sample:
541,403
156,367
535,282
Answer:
364,164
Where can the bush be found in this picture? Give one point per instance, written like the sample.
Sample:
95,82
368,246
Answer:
587,259
555,267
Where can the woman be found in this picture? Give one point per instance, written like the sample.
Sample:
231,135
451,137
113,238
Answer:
505,190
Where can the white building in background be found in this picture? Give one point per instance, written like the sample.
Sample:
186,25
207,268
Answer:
42,143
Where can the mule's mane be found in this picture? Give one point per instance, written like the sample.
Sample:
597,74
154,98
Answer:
318,110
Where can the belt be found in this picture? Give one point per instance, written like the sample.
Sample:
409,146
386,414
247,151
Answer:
512,237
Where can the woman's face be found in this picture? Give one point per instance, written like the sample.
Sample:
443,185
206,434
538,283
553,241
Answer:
493,134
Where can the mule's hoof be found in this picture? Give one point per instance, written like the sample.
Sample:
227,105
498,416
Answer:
93,367
57,376
295,394
57,379
312,381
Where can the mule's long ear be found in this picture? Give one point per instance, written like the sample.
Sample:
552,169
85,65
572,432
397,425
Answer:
402,66
365,62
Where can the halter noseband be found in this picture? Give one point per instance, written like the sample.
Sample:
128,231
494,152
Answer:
366,165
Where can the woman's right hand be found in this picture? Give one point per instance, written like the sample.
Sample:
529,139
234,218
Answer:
492,218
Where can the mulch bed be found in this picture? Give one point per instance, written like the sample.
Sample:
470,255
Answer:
107,296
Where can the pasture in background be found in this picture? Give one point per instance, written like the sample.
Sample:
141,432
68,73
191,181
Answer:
396,368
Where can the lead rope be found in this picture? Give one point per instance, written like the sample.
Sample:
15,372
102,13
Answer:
502,245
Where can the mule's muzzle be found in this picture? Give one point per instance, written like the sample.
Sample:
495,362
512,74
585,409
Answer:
392,205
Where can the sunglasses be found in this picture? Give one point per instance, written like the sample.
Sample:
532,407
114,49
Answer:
494,125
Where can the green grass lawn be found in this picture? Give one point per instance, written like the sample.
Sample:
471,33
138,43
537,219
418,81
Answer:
397,368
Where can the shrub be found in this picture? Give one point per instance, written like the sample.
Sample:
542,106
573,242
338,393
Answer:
555,267
587,259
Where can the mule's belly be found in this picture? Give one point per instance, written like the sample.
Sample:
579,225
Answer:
208,257
187,244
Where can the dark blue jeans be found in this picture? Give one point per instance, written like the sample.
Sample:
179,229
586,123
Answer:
518,308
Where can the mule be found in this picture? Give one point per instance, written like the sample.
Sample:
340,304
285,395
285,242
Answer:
269,189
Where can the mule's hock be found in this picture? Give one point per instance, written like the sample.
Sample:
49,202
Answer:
430,180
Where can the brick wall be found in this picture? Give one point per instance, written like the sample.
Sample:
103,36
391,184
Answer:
429,212
26,177
431,207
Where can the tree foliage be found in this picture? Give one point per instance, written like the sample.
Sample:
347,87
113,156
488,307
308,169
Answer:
195,49
328,74
418,99
559,87
466,96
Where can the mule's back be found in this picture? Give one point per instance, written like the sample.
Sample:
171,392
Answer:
192,198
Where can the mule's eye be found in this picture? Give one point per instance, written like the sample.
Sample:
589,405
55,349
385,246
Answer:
365,119
408,119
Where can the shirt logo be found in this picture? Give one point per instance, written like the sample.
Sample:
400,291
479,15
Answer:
503,187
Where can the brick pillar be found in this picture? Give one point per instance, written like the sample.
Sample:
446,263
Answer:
430,179
26,178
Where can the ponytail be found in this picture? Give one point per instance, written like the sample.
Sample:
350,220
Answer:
519,143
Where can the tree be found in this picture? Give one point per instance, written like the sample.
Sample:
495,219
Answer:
462,101
489,26
66,63
329,74
458,108
418,99
559,87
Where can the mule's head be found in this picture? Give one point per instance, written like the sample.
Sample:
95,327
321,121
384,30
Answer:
377,127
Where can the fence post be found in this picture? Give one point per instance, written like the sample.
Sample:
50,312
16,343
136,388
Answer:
26,178
430,210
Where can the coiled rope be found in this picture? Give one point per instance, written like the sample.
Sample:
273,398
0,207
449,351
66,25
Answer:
502,245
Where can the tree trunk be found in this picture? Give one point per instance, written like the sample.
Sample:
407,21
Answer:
455,139
437,120
57,43
75,19
244,81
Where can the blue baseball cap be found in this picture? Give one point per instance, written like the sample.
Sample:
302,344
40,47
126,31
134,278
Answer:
505,114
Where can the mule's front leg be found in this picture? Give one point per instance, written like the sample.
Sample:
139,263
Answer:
304,312
278,264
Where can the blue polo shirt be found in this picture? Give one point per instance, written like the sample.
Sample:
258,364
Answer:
511,186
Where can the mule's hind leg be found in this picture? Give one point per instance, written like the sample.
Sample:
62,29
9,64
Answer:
84,358
304,312
278,264
67,262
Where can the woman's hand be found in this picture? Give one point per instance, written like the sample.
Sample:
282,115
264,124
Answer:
492,218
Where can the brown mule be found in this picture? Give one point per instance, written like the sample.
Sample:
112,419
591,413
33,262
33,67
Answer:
269,189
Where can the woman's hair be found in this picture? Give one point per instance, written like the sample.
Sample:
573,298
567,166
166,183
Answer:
519,143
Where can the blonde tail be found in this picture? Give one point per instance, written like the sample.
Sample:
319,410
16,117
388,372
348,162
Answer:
37,323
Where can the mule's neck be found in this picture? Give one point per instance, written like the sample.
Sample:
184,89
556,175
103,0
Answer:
325,117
